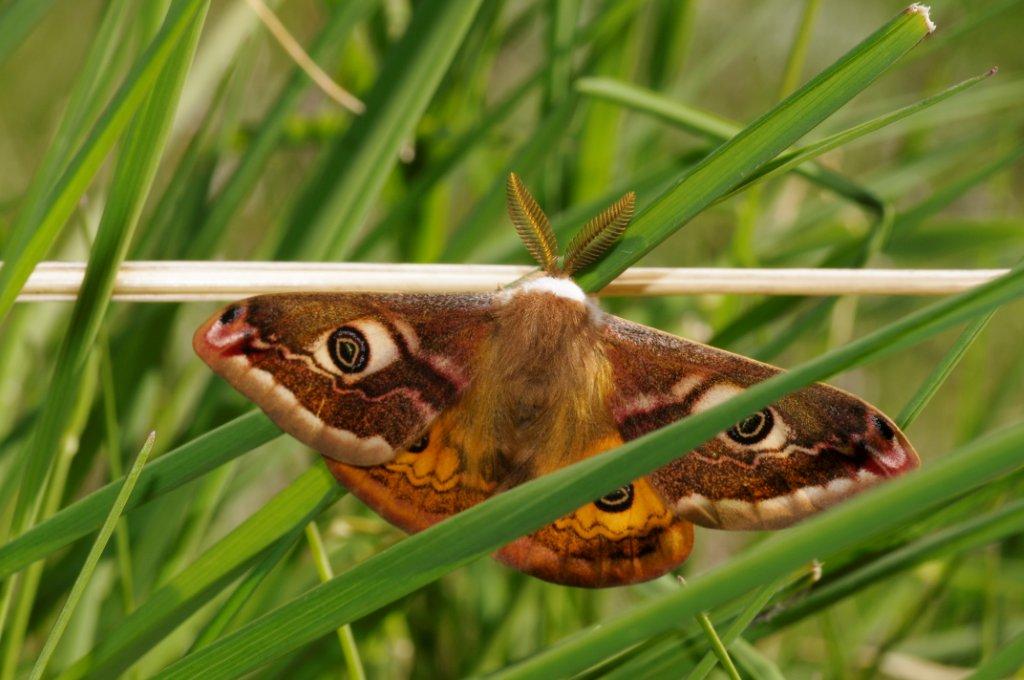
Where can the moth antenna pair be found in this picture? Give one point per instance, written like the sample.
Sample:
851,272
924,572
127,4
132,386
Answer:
585,248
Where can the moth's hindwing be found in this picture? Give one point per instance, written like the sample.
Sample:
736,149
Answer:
425,483
802,454
627,536
355,377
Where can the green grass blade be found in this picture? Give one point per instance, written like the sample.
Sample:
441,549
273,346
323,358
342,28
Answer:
794,158
856,254
714,128
338,198
17,19
38,226
718,649
244,590
112,441
946,194
798,49
1003,664
941,371
84,102
425,556
289,511
85,575
760,142
175,468
965,536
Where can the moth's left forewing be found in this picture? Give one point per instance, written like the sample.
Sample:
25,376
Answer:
355,377
800,455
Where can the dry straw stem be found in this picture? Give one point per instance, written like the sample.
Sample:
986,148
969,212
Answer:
302,59
169,281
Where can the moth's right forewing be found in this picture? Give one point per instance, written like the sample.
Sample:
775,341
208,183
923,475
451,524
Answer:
355,377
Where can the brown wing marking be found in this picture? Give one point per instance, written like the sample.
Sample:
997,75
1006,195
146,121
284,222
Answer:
806,452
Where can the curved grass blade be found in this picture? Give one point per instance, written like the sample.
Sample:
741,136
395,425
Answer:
759,142
425,556
91,561
132,179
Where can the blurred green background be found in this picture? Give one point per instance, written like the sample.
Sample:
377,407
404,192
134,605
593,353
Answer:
260,164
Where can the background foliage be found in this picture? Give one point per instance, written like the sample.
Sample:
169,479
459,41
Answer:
180,130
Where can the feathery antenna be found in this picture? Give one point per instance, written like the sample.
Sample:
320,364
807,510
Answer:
532,225
599,234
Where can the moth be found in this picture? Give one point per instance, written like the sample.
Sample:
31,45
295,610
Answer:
424,405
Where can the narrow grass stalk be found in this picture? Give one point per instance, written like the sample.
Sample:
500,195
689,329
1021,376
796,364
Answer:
752,608
798,48
717,648
942,370
759,142
112,441
349,649
93,558
239,185
52,494
423,557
